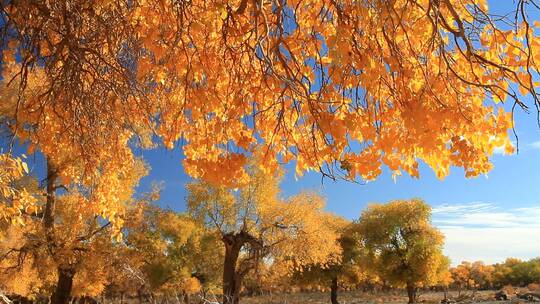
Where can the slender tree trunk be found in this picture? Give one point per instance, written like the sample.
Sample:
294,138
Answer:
48,212
411,293
445,293
334,291
186,298
231,279
140,296
62,293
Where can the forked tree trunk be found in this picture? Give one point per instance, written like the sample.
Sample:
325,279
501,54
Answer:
231,279
62,293
232,275
334,291
411,293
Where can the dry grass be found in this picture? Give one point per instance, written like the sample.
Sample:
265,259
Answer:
356,297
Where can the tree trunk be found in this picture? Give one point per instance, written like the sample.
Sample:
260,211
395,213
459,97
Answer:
411,293
48,212
334,291
140,296
231,279
186,298
62,293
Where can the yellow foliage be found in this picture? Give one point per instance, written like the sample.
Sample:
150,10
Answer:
191,285
401,81
404,248
291,232
406,81
14,199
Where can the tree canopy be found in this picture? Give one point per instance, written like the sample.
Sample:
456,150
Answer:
242,87
404,248
257,226
342,87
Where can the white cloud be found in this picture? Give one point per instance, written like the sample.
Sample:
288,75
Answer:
491,245
535,145
479,214
462,208
483,231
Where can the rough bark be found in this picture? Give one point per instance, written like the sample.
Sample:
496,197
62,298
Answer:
231,279
411,293
334,291
62,293
232,272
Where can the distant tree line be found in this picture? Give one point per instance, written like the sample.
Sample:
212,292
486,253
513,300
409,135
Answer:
228,244
513,272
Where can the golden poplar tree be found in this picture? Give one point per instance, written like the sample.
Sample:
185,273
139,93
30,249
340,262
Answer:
67,237
255,225
342,87
339,86
403,246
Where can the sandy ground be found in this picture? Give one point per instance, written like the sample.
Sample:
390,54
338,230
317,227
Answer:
355,297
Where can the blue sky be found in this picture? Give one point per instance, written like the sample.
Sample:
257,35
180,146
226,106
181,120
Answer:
485,218
477,215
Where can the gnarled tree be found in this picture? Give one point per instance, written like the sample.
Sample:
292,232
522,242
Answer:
256,225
